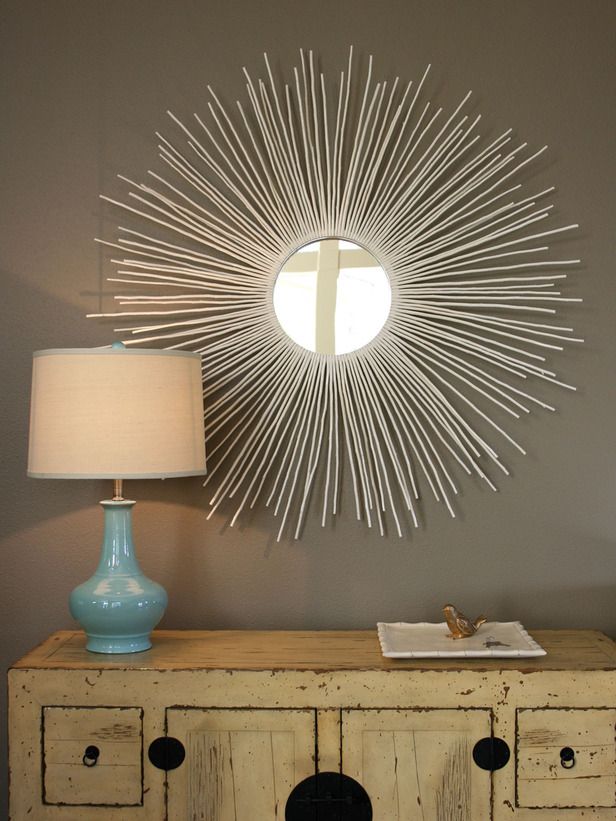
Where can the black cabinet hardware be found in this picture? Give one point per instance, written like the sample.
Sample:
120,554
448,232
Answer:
328,797
491,753
90,756
166,753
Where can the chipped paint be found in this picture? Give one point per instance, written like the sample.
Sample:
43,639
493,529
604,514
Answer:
571,690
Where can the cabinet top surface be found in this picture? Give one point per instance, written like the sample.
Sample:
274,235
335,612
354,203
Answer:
324,651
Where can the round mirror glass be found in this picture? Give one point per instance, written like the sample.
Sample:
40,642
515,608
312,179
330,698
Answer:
332,296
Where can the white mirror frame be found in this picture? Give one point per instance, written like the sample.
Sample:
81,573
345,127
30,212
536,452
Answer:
473,292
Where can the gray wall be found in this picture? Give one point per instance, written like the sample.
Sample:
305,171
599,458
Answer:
84,86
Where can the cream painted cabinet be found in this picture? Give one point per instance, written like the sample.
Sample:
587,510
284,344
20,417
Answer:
265,726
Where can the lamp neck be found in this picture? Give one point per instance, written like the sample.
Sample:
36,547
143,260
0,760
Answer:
118,550
117,490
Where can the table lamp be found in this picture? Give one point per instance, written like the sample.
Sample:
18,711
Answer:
116,413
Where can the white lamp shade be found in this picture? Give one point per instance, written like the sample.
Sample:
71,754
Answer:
116,413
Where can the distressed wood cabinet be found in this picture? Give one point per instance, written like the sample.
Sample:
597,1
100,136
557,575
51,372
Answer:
223,726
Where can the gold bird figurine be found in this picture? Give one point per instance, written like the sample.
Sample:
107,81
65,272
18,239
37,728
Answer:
460,626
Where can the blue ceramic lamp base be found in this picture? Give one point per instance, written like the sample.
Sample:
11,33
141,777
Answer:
118,607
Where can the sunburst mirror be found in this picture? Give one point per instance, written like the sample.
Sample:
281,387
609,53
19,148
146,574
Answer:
367,281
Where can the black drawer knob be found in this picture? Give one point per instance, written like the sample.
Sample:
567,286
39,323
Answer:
90,756
328,797
567,758
491,753
166,753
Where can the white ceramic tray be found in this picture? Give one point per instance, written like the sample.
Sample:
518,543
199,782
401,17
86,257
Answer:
494,639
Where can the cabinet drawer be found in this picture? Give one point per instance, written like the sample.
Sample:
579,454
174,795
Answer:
116,777
544,780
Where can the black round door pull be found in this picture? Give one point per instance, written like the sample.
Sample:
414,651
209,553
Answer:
90,756
166,753
328,797
567,758
491,753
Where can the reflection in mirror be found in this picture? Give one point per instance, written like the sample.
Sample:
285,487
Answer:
332,296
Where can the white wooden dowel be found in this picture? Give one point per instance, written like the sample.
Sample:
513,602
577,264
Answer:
475,290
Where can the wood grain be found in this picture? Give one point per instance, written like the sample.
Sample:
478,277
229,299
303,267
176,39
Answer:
241,765
307,650
417,763
117,734
543,781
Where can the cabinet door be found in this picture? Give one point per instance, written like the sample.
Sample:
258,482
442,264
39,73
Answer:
418,764
240,764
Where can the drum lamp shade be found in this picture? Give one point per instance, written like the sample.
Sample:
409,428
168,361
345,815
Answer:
116,413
